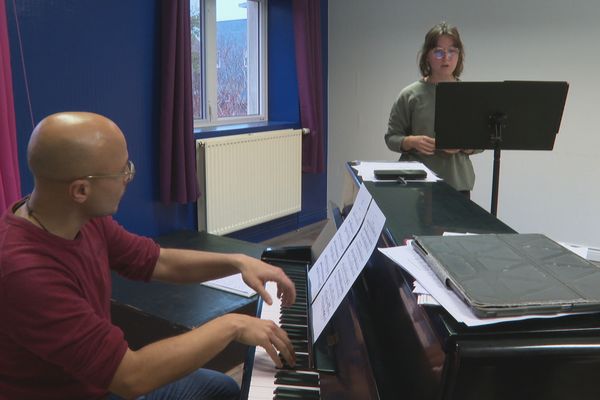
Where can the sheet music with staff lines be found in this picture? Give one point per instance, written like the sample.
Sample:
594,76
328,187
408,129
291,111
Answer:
336,247
336,277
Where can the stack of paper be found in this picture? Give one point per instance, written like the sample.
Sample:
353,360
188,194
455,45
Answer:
232,284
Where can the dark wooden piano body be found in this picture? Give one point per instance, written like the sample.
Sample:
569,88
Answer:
431,356
387,346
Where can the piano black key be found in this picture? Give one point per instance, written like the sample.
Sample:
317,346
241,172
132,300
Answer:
294,312
293,393
292,270
293,378
295,330
295,307
302,362
294,276
296,334
294,319
295,270
300,346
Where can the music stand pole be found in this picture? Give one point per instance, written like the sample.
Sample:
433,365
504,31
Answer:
497,122
495,182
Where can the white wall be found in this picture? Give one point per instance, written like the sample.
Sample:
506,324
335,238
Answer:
373,49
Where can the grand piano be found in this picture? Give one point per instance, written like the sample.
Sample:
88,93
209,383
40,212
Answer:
381,344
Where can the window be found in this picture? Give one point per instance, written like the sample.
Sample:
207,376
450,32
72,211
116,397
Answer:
228,61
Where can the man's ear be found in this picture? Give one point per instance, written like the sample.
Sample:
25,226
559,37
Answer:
80,190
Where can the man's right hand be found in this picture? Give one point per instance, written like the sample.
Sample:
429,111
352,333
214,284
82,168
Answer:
167,360
258,332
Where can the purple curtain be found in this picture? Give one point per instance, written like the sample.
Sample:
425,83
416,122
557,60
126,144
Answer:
177,156
10,187
307,32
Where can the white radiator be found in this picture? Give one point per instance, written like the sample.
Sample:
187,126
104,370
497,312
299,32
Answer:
248,179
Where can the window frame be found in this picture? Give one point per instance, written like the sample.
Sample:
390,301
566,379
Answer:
208,68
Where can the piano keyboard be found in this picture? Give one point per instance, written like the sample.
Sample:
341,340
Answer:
301,381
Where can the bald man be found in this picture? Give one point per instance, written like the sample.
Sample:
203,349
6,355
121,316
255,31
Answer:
57,248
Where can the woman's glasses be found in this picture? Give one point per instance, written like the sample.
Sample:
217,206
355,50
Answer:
439,52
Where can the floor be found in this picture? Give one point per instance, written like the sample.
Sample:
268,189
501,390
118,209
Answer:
304,236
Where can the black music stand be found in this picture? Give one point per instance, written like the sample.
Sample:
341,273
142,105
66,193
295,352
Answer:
510,115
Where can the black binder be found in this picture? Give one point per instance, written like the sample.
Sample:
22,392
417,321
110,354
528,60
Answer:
512,274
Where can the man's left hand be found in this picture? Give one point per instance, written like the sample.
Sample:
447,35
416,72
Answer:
256,273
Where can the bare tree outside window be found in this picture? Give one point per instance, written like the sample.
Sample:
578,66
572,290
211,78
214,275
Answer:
227,57
197,59
232,75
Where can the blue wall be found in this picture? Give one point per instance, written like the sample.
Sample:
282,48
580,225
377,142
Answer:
102,56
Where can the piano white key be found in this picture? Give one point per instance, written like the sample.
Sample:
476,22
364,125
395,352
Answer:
263,369
262,382
271,312
263,373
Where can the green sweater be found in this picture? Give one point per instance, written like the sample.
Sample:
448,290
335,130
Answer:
413,113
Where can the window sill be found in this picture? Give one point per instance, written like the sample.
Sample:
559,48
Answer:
227,130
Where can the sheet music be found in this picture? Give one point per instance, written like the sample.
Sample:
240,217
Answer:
366,169
232,284
408,259
579,250
350,266
336,247
423,296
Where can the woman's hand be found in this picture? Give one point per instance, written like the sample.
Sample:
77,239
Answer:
421,143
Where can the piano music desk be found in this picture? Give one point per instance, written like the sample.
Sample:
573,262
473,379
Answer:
147,312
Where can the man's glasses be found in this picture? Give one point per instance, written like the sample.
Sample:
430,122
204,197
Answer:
127,174
439,53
